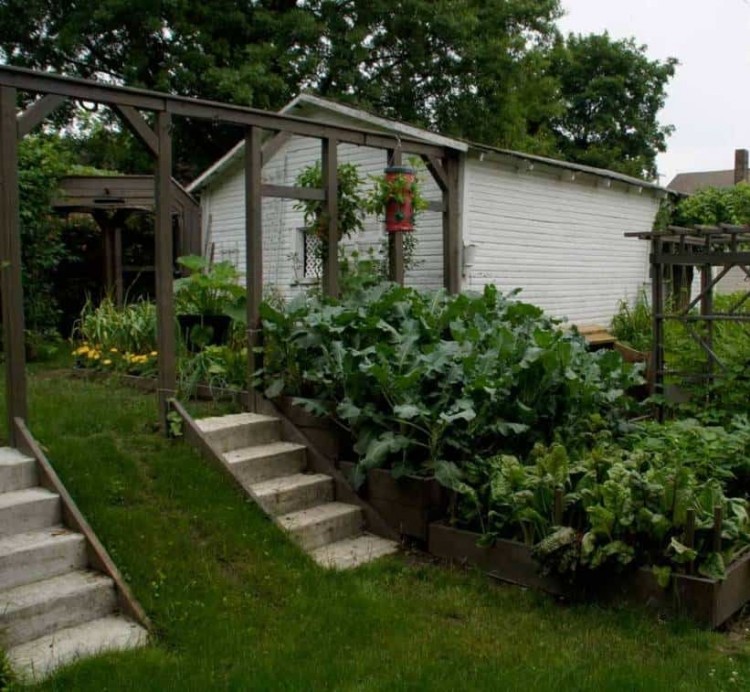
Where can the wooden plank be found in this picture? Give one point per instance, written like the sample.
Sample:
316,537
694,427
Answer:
274,145
253,249
98,556
396,268
451,227
35,114
435,167
11,286
293,192
715,259
46,83
164,260
329,158
139,127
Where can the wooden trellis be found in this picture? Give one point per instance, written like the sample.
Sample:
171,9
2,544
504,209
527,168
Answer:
713,251
155,134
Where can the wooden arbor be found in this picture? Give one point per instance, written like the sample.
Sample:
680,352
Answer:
713,251
110,199
155,134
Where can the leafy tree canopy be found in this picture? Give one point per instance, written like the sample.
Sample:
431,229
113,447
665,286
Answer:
495,71
713,205
611,97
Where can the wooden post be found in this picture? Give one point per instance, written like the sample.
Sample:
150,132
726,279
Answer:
10,265
707,306
108,233
451,228
657,310
253,251
119,288
329,159
165,319
396,267
690,535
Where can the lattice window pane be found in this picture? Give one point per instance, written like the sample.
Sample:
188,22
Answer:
312,262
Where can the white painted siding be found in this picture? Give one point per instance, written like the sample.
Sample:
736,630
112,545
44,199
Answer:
224,202
560,241
736,280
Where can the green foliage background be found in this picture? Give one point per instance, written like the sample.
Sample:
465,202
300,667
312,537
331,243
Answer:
496,72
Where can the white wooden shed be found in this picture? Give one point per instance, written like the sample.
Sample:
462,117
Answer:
552,228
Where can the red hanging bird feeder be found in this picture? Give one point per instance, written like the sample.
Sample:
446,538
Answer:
399,207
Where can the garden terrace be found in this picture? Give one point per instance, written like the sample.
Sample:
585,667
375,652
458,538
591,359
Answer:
128,103
675,252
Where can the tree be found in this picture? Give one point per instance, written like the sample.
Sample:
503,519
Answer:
251,53
611,95
492,71
468,68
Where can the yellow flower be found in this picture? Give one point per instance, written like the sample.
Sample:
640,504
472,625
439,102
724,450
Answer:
154,354
91,354
107,362
97,356
113,350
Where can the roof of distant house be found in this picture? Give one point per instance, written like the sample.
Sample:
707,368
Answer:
688,183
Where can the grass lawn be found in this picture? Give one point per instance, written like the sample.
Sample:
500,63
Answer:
236,606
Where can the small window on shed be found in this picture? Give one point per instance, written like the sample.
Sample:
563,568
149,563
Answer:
312,263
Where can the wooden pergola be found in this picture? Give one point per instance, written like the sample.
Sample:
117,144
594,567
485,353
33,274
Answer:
713,251
111,199
265,133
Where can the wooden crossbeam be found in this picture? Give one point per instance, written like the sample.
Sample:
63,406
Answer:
142,99
35,114
135,122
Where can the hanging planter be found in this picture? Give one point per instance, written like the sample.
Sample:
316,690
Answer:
399,208
396,197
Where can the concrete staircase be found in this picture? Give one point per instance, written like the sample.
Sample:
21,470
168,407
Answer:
53,607
274,473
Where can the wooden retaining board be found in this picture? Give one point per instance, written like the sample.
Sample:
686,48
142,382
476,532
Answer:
708,602
409,504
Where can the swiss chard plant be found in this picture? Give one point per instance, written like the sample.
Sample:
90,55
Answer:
625,500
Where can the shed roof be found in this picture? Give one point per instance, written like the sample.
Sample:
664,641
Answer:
309,102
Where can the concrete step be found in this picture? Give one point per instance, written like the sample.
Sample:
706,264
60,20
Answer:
352,552
235,431
34,610
37,659
27,510
292,493
324,524
17,471
263,462
29,557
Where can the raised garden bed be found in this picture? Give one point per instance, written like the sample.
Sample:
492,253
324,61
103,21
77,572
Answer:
708,602
408,505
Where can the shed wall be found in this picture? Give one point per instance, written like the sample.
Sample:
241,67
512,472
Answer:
560,241
224,203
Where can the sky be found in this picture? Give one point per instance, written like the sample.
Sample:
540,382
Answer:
709,98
